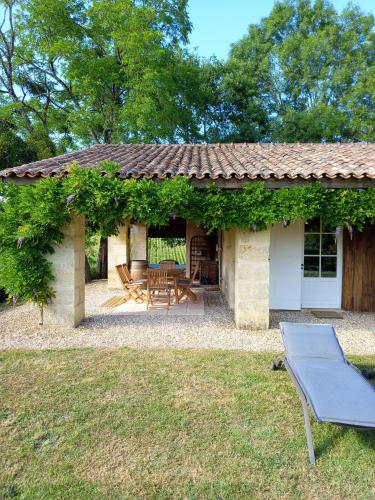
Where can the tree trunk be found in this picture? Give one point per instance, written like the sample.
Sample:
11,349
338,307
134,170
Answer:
88,276
103,258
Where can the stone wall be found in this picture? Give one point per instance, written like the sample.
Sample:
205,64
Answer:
251,309
228,266
245,276
118,253
138,242
68,266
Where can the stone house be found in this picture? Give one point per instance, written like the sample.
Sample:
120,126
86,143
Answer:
301,266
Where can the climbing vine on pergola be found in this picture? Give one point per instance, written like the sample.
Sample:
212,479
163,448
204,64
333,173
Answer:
32,216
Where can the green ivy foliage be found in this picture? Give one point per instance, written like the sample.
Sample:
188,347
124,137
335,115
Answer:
32,216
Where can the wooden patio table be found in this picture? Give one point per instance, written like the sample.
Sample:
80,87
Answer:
174,273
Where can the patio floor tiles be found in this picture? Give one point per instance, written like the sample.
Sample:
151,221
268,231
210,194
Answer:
185,308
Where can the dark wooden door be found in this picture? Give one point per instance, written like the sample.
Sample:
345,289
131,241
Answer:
199,252
358,291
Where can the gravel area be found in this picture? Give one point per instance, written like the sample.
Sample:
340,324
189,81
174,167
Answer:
215,330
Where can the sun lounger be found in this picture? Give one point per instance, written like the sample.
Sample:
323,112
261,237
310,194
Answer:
336,391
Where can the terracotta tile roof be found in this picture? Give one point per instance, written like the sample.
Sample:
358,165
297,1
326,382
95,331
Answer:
226,161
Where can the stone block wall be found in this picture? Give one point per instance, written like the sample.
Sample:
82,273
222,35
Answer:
138,242
228,266
245,276
118,253
252,279
68,266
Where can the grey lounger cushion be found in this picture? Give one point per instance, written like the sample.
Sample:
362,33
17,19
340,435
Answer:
336,391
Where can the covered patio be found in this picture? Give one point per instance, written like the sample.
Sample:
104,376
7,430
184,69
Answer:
131,246
241,256
277,265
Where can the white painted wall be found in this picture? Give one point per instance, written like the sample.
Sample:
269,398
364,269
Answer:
286,254
288,288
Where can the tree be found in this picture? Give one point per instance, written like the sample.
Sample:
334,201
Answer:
213,111
24,103
100,71
305,73
13,149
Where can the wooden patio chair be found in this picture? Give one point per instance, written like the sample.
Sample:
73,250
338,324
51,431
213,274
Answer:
134,289
184,286
167,264
158,286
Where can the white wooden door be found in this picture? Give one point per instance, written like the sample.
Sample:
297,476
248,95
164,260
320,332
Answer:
286,253
322,266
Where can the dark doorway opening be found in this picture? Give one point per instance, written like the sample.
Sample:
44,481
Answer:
204,257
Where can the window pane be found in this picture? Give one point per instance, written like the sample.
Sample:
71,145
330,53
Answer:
328,228
311,267
312,226
312,242
329,265
329,244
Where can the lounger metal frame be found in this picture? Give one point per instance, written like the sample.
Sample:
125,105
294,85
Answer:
306,415
304,402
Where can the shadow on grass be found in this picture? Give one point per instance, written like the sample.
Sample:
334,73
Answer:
329,442
366,436
364,366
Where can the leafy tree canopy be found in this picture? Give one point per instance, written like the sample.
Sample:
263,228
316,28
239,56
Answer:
79,72
304,73
96,71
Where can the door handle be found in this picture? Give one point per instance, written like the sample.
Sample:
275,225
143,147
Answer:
302,266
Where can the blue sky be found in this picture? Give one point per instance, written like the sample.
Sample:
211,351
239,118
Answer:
219,23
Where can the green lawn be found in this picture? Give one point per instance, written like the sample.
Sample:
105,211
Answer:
167,424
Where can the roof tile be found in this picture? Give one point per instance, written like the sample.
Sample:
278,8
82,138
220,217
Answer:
247,160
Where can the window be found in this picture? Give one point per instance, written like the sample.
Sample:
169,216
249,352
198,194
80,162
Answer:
320,250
